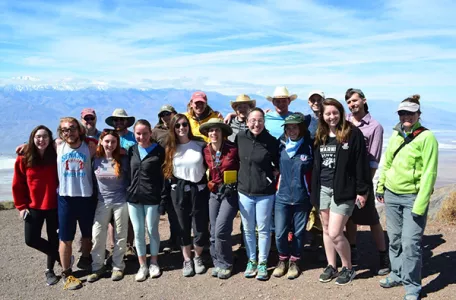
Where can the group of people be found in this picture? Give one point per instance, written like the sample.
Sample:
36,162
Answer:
276,168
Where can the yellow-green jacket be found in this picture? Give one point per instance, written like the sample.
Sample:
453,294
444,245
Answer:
196,122
413,170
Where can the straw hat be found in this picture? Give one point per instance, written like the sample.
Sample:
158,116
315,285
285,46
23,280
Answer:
215,122
120,113
242,98
282,92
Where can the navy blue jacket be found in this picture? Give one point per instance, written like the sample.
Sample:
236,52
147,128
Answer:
295,175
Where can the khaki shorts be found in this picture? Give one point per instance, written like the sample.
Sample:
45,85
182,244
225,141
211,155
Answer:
327,202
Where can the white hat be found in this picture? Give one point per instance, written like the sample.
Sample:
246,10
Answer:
282,92
120,113
408,106
316,92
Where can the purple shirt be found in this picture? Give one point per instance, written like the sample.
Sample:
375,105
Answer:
373,136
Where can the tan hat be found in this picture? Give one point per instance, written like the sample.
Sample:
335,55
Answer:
120,113
215,122
243,98
282,92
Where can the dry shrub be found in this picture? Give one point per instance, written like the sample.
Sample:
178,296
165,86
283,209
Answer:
447,212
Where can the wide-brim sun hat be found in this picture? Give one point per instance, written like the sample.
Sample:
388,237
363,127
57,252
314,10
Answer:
120,113
215,122
243,99
281,92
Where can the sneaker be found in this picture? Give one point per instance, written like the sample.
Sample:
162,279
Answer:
251,269
85,263
262,271
345,276
329,273
387,283
142,273
354,255
71,283
96,275
154,270
117,275
293,270
411,297
280,269
214,272
224,273
384,266
51,279
199,265
187,270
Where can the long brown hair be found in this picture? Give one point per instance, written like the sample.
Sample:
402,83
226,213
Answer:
171,144
31,153
116,156
343,128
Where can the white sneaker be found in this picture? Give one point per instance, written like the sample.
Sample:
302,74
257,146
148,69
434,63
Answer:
142,273
154,270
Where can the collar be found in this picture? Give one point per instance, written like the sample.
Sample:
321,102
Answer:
365,120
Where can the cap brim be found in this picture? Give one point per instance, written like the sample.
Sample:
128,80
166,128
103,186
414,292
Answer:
291,97
251,103
199,100
204,128
110,120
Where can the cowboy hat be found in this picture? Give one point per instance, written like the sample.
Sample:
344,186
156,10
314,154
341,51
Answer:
120,113
215,122
242,98
282,92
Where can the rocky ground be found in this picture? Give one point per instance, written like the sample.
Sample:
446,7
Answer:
22,273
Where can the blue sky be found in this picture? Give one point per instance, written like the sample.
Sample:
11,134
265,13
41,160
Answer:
390,49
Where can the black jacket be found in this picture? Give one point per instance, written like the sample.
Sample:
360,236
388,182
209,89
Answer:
146,176
352,174
258,157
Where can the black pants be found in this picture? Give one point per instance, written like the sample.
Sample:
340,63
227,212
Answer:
173,223
32,233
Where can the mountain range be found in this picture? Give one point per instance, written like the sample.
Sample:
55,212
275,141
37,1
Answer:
26,106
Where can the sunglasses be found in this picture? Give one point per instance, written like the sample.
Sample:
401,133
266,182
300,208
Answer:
119,119
89,119
109,130
183,124
165,114
402,113
67,130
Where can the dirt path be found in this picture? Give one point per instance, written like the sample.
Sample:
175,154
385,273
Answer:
22,274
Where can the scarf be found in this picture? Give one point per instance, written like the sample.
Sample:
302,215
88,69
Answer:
292,146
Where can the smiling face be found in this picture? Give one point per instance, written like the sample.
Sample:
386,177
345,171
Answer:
315,103
242,109
331,116
109,144
281,104
256,122
120,124
41,139
356,104
292,131
198,106
181,128
214,134
142,134
408,119
70,132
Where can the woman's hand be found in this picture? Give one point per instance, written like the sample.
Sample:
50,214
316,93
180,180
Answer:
380,197
361,199
22,213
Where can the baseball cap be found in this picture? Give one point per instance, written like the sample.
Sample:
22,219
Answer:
316,92
408,106
167,108
295,118
87,112
199,97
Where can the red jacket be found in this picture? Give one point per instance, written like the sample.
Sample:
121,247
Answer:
229,161
35,187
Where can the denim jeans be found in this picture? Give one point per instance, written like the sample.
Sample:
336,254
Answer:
292,217
103,215
256,211
222,211
405,233
140,215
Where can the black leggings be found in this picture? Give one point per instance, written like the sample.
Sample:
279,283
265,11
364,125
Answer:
32,232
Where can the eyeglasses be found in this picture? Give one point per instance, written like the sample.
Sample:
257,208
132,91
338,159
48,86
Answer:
178,125
68,130
88,119
253,121
402,113
165,114
118,119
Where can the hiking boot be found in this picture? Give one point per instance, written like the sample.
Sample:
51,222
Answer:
214,272
345,276
280,269
262,273
117,275
384,266
187,270
293,270
354,255
387,283
251,269
85,262
51,279
71,283
130,251
224,273
199,265
142,273
329,273
154,270
96,275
